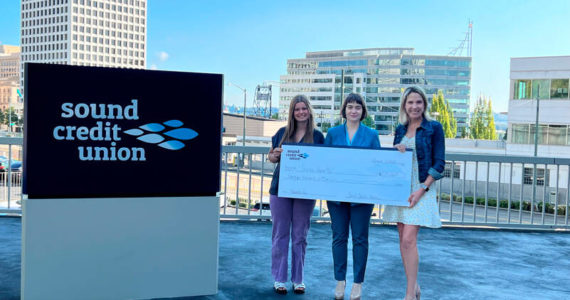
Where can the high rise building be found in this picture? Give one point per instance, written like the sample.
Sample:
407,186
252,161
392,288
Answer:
105,33
9,75
379,75
9,62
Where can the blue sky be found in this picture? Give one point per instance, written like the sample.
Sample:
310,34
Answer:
250,41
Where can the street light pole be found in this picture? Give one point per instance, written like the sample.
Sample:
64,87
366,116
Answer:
244,107
536,122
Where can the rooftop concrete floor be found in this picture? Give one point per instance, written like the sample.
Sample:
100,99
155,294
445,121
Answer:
454,263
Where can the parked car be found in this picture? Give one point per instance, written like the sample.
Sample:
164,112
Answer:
265,210
15,167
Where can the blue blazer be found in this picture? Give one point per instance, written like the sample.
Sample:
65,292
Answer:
364,137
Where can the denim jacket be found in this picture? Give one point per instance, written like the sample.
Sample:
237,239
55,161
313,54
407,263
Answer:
430,148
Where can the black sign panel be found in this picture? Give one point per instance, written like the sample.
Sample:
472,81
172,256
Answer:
103,132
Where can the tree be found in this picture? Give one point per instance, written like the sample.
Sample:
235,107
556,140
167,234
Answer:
476,124
491,130
482,124
10,116
369,121
464,133
444,115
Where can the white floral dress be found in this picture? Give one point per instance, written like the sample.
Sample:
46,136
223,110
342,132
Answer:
425,212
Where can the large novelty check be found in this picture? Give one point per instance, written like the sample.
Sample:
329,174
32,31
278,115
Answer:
346,174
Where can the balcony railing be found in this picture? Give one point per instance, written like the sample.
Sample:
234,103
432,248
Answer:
10,180
477,190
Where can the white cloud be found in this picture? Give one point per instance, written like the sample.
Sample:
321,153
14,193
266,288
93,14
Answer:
153,67
163,56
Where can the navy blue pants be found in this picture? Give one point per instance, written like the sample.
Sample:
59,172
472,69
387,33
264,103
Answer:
357,217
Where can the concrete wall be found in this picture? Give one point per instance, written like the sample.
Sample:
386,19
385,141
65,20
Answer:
253,127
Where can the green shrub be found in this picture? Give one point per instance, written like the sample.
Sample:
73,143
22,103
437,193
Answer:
548,208
526,205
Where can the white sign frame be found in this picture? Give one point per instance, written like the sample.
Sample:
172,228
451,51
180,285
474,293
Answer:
119,248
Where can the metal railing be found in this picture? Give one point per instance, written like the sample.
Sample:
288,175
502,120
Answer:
10,181
478,190
505,191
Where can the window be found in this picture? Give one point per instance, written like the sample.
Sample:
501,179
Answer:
547,134
522,89
542,134
559,89
540,176
447,170
520,134
557,134
541,89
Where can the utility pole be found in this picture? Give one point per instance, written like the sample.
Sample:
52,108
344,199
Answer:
341,93
534,172
536,122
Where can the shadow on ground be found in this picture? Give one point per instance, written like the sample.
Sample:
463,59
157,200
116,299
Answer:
454,264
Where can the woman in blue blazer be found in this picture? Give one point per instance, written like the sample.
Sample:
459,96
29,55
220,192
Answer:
345,215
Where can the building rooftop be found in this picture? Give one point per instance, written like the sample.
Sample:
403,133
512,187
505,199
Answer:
454,263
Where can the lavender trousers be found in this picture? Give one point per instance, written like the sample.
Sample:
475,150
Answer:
291,220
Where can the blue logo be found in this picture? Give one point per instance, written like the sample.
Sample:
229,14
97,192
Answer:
155,133
303,155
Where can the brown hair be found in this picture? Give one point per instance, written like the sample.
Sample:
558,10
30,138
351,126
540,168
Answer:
353,97
291,127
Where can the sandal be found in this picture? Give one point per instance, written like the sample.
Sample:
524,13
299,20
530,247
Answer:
280,288
299,288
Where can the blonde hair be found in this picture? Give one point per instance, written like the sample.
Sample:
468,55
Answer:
291,127
403,117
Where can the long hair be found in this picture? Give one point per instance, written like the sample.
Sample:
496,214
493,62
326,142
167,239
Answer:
291,127
403,117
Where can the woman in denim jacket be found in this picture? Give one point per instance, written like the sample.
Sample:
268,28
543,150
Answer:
419,132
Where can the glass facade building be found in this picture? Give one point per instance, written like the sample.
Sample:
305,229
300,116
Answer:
379,75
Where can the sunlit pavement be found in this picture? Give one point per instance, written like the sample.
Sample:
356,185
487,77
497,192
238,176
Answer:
454,263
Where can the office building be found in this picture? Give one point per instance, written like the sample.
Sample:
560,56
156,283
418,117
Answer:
9,75
9,62
544,80
379,75
104,33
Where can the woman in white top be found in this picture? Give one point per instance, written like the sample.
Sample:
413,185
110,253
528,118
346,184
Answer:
425,136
